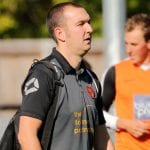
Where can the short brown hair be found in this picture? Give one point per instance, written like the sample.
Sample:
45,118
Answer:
139,20
55,16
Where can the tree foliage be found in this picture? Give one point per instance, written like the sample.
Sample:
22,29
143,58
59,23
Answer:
137,6
26,18
23,18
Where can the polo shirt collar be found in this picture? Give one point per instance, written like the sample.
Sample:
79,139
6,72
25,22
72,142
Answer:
64,63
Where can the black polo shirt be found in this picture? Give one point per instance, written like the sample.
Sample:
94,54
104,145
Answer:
79,107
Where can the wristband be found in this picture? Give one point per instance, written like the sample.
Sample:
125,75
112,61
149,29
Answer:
111,120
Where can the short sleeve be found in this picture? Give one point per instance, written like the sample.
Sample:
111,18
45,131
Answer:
36,94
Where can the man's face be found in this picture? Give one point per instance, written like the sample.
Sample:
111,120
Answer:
77,30
136,46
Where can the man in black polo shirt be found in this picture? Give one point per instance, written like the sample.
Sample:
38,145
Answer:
79,123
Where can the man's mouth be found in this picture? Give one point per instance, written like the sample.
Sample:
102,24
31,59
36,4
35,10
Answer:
88,40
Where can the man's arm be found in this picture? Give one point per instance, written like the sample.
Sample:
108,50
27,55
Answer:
28,133
136,128
109,89
102,140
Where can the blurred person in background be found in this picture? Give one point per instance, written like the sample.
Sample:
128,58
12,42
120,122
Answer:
127,85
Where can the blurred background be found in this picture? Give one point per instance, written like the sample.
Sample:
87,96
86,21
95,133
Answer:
26,18
24,37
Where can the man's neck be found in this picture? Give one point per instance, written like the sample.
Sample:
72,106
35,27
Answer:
72,59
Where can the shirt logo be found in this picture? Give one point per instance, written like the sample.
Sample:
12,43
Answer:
31,86
142,107
90,91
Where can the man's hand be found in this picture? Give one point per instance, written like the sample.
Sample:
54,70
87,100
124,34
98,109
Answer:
136,128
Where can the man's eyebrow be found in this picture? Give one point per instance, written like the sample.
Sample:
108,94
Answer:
85,20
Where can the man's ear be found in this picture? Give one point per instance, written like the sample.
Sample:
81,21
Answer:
59,33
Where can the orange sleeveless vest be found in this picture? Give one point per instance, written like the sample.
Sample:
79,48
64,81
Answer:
132,101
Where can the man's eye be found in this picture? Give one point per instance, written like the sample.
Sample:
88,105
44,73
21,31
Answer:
81,23
89,22
133,44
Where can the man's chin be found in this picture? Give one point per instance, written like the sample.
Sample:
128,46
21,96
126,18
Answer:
88,47
85,51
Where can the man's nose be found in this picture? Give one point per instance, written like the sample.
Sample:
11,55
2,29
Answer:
128,49
89,28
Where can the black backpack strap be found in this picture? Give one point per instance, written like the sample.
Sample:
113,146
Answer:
50,121
50,118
